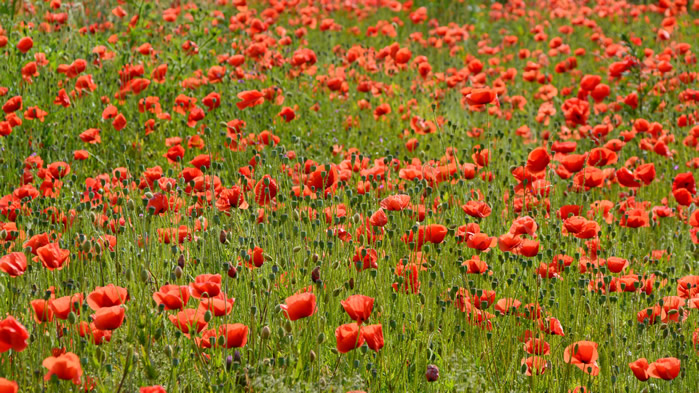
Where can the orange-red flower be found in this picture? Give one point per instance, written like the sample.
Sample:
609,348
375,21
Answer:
172,297
358,307
52,256
583,355
13,335
299,306
108,296
65,366
14,264
348,337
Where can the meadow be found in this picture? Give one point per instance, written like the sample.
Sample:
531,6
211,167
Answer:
349,196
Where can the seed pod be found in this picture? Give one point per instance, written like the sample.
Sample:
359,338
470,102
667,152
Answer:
266,333
144,275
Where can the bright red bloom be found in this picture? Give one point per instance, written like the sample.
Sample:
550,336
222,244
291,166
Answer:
108,296
348,337
358,307
583,355
665,368
14,264
13,335
299,306
65,366
52,256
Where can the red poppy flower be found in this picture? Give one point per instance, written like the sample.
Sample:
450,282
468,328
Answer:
63,306
13,335
395,202
14,264
42,310
25,44
52,256
250,98
358,307
7,386
152,389
535,365
109,318
172,297
299,306
640,369
65,366
108,296
206,285
583,355
348,337
665,368
189,320
373,336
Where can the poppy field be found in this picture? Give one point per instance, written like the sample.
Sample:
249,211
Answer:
349,196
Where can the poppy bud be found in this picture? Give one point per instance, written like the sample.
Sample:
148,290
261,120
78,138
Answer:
232,272
266,332
315,274
144,275
169,351
178,272
432,373
72,318
221,340
313,356
315,258
296,249
321,338
287,326
208,316
222,237
180,261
